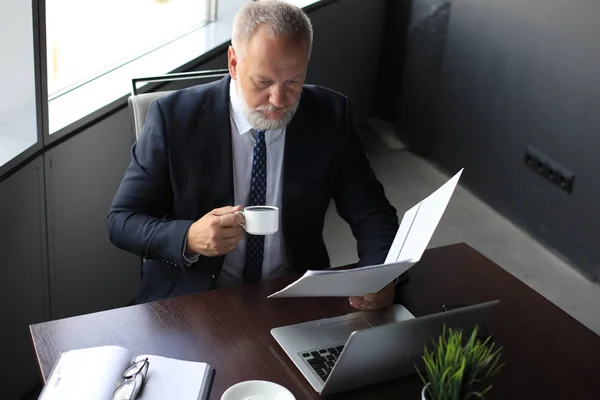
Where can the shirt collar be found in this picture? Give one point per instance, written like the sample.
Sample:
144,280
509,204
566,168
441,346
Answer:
237,110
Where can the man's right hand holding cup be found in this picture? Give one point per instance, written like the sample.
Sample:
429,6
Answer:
217,233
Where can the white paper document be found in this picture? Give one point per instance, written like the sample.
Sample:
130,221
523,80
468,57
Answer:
416,230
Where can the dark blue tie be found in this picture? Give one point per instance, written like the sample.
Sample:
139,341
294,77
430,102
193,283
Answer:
258,192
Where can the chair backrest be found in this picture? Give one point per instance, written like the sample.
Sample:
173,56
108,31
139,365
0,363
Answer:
138,107
139,103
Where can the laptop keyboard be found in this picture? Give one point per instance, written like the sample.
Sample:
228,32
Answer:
322,360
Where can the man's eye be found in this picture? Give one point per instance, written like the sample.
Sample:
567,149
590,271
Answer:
265,83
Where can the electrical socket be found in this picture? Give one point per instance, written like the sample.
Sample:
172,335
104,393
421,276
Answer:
549,169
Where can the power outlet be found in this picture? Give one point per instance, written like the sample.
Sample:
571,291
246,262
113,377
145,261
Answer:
549,169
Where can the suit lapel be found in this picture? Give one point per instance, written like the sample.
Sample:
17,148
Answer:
299,140
215,134
297,146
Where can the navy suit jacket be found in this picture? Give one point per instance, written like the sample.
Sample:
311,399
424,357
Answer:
181,169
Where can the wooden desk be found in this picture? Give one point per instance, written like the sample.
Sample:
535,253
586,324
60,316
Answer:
549,355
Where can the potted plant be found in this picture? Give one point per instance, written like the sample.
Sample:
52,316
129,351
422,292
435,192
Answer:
459,370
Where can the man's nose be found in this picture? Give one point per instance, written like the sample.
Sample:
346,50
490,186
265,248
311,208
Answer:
277,97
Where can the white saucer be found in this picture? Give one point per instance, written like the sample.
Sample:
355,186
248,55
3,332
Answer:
257,390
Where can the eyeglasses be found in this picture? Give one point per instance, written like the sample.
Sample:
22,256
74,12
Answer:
135,376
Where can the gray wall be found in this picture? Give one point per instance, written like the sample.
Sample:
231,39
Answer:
87,273
391,66
416,33
23,275
519,73
347,48
84,272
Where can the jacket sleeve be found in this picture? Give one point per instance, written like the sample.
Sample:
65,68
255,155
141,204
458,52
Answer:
137,219
360,199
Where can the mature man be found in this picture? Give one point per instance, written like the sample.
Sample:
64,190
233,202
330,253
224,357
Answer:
258,136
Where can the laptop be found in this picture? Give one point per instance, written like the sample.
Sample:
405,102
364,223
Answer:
367,347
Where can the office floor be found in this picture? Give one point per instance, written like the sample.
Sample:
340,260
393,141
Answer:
408,179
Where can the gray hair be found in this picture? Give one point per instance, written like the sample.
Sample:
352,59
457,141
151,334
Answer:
280,17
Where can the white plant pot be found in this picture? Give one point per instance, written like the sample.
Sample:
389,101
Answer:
423,392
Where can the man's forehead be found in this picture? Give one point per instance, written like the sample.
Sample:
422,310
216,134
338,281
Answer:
269,76
266,65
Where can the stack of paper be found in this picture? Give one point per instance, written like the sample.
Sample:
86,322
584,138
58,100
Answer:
413,236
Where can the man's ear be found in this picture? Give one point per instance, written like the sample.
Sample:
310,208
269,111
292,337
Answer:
232,62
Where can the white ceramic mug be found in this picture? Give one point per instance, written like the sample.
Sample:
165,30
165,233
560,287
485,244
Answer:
260,220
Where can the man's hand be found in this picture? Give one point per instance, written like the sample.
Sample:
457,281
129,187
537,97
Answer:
375,301
217,233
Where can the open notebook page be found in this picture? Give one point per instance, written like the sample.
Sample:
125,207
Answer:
174,379
91,373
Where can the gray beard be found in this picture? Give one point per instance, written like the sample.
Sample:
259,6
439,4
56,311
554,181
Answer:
257,119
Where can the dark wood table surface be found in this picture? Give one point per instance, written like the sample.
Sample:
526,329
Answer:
548,354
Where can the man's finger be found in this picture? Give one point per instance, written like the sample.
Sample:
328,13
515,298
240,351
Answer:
360,303
230,248
231,232
225,210
230,220
384,292
371,296
378,302
230,241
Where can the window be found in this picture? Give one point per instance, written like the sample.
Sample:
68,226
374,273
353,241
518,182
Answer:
87,39
18,105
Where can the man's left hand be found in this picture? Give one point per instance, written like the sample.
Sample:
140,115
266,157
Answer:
375,301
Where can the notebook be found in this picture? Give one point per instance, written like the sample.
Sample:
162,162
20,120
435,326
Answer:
94,373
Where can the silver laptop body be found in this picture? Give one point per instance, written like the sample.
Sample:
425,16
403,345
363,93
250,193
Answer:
367,347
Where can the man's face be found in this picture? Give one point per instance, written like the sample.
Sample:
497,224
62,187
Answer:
269,78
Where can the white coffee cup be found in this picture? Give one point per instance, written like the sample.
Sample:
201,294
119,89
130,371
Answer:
260,220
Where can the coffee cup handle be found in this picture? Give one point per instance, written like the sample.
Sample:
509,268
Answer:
240,224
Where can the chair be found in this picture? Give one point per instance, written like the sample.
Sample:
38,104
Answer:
139,103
